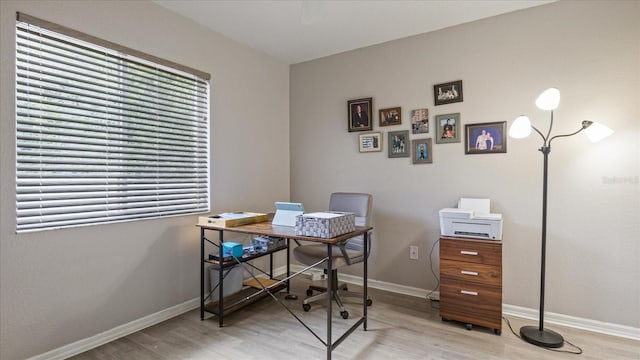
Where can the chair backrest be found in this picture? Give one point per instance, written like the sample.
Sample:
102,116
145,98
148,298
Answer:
358,203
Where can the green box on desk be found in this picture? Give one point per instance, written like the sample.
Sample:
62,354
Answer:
231,249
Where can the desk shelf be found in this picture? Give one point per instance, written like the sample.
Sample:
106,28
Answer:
247,294
241,299
245,258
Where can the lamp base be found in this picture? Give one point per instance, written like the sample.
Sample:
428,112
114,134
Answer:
544,337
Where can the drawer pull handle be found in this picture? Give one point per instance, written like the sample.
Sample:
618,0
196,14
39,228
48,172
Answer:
465,252
465,272
474,293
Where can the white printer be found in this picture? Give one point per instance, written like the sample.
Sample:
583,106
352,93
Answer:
471,219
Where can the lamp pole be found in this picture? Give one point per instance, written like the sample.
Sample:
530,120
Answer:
521,128
545,151
539,335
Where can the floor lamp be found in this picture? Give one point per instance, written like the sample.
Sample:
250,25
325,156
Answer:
521,128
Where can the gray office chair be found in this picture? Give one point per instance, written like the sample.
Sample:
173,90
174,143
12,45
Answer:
345,254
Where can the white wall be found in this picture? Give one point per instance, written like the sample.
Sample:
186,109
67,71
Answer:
61,286
591,52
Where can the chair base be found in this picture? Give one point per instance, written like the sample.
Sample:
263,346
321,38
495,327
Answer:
340,290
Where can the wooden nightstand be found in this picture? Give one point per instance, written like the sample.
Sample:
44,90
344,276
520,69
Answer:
471,282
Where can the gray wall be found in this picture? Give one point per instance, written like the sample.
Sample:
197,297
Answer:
590,50
61,286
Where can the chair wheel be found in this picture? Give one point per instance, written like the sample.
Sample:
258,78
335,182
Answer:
306,307
497,331
344,314
469,326
369,302
309,292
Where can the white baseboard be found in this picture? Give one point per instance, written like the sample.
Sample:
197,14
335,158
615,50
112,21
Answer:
89,343
357,280
602,327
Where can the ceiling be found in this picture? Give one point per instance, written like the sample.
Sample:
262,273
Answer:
294,31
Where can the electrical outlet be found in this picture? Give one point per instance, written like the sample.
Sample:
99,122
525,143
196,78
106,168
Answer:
413,252
317,276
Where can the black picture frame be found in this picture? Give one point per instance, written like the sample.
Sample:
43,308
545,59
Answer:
362,122
447,93
486,138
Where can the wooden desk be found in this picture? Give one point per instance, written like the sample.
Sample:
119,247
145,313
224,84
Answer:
288,233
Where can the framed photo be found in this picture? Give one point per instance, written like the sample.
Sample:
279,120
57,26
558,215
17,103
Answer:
398,144
419,121
390,116
422,151
360,114
447,93
370,141
486,138
447,126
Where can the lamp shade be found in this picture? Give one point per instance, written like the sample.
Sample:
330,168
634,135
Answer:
596,132
549,99
521,127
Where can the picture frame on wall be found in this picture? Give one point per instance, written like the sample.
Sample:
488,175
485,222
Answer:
359,114
370,142
420,121
447,93
447,128
422,151
398,144
390,116
486,138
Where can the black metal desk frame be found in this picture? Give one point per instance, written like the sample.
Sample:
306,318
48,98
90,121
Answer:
288,234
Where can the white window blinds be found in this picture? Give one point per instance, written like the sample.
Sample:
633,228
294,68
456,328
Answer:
104,136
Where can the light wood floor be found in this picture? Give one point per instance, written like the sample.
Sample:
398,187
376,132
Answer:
399,327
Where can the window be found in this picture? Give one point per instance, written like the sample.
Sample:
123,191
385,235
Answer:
105,133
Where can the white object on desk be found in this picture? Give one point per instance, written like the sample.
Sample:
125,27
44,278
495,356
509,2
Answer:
471,219
286,213
325,224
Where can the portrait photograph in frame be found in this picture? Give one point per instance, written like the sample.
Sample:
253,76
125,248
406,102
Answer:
420,121
447,93
398,144
447,126
360,114
486,138
370,142
390,116
422,151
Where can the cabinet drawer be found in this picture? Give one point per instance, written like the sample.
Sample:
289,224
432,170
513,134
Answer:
472,303
473,272
476,251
